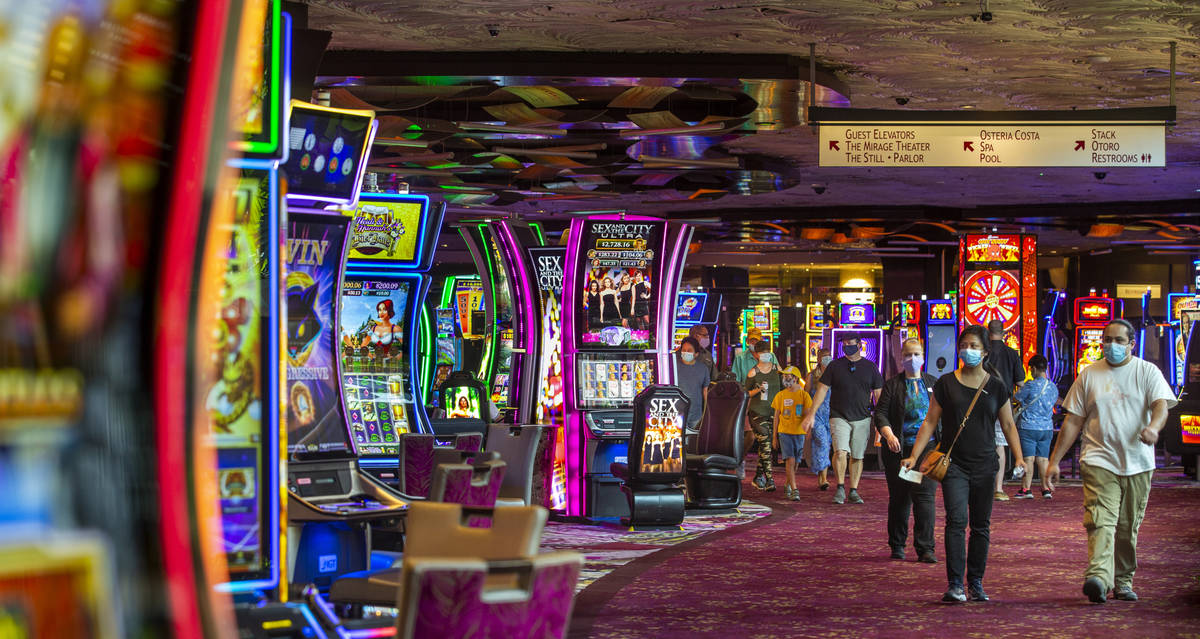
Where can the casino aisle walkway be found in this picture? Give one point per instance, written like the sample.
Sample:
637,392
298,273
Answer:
815,569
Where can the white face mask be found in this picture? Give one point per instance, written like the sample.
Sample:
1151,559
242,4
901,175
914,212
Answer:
764,358
687,356
913,364
826,360
704,342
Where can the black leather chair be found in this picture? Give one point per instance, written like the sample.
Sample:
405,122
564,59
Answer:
712,477
651,479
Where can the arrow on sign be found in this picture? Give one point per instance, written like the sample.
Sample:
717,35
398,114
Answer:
1079,145
833,145
968,145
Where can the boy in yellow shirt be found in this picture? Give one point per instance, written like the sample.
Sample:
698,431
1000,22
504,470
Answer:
790,404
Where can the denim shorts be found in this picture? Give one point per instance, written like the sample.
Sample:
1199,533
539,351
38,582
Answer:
1035,443
792,446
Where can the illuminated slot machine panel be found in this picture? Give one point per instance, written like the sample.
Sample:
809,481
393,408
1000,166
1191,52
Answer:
941,337
1091,314
860,319
816,321
998,281
376,369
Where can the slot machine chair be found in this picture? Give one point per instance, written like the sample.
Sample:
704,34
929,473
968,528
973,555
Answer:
712,465
536,601
420,455
656,498
437,529
518,446
470,489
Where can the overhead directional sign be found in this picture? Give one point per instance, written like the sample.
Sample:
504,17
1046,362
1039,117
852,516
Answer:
1023,140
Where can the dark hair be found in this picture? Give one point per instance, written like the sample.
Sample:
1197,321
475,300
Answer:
849,336
691,341
995,327
977,331
1038,362
761,346
1123,322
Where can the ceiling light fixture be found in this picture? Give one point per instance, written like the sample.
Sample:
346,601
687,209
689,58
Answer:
504,128
684,130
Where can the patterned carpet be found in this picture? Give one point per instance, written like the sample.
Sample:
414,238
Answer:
815,569
608,546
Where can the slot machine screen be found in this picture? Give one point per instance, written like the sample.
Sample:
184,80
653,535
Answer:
612,381
463,402
316,425
327,152
375,367
1191,429
620,304
1090,347
689,307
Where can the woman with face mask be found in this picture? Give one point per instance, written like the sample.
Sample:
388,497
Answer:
692,376
903,404
820,440
968,402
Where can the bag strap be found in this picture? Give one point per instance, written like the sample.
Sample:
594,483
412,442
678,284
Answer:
1039,396
967,415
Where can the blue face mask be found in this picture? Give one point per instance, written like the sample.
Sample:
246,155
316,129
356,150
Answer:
1115,353
970,356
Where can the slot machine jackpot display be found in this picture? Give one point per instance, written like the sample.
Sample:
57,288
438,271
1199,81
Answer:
689,311
622,275
390,245
815,323
1090,317
998,280
941,337
765,319
510,301
1178,332
859,319
327,153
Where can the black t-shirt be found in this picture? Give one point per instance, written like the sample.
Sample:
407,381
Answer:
976,447
850,385
1007,363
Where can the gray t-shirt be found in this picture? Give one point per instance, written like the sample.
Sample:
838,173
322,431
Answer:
692,379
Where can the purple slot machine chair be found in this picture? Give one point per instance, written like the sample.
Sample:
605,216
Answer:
531,597
712,477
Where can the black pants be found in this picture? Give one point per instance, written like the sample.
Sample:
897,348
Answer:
904,496
967,495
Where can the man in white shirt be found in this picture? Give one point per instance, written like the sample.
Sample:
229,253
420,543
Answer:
1120,404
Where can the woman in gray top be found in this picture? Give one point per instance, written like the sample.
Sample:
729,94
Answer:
693,378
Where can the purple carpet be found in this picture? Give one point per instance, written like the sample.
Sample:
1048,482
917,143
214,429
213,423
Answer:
815,569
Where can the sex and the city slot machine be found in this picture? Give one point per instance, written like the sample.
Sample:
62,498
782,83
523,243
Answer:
1091,315
622,274
998,280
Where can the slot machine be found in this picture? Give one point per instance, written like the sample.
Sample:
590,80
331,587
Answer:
860,319
614,346
816,321
689,311
1181,435
548,264
511,331
1178,304
998,281
383,288
1090,316
905,323
765,319
1054,342
941,337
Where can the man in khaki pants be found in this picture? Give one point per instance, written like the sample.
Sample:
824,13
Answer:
1120,404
